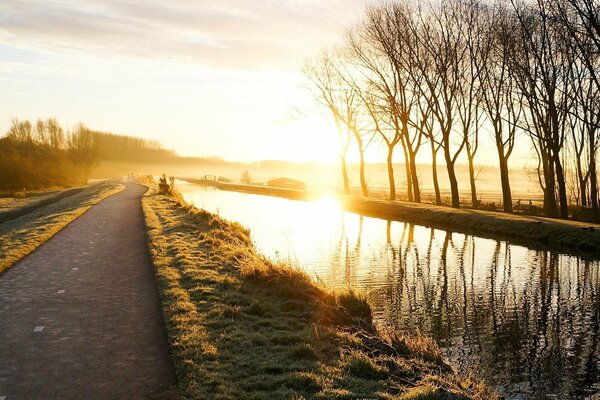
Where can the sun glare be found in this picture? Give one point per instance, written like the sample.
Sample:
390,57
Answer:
327,204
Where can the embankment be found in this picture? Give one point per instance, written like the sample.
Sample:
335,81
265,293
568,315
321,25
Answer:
557,235
19,212
291,194
241,327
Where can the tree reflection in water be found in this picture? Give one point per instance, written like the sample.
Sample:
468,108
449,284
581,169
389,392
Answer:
526,320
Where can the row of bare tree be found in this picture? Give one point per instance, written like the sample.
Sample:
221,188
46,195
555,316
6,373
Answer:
445,75
43,154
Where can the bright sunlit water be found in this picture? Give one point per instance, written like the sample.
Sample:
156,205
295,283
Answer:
527,321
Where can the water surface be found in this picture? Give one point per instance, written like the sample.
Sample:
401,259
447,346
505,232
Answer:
527,321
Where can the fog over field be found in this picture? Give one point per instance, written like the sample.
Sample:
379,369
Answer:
324,176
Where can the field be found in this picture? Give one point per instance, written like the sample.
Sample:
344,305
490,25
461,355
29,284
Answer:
326,177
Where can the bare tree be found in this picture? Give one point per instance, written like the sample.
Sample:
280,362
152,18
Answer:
436,58
330,91
500,99
246,179
431,135
56,135
82,148
20,131
470,14
386,30
543,77
580,20
381,92
40,132
360,121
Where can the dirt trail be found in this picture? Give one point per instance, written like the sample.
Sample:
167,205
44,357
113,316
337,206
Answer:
80,317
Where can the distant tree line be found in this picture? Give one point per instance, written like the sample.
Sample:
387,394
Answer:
43,154
443,76
129,148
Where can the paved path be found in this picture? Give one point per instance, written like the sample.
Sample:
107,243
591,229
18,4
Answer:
80,317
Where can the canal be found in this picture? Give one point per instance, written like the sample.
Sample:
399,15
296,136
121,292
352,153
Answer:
526,321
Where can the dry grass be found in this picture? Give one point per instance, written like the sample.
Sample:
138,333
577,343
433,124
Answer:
558,235
21,236
24,199
241,327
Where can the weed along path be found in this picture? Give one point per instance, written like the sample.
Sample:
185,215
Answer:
80,317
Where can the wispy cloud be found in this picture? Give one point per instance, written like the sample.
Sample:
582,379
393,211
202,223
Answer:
227,33
195,74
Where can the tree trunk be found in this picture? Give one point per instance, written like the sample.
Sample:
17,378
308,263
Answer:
474,201
582,181
583,192
415,177
505,181
361,154
593,180
562,188
345,174
436,185
390,168
550,208
452,178
409,191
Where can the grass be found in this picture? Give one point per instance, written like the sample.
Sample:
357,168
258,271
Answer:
581,238
24,199
21,236
242,327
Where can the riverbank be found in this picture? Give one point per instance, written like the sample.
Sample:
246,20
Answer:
558,235
241,327
571,237
23,234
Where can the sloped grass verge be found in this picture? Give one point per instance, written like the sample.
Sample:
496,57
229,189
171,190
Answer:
242,327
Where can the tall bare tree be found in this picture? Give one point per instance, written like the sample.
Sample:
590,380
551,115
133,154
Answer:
500,99
382,90
437,59
83,148
544,80
580,20
470,23
330,91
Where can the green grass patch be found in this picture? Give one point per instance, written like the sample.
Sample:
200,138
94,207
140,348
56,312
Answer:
242,327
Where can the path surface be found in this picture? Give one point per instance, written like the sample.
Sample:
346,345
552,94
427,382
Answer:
80,317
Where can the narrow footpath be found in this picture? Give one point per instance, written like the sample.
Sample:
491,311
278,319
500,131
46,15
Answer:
80,317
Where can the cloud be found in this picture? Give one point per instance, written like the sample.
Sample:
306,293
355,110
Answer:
225,33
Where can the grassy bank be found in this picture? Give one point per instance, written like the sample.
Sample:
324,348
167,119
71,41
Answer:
22,235
573,237
21,207
241,327
10,202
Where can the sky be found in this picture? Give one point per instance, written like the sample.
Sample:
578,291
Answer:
210,78
205,78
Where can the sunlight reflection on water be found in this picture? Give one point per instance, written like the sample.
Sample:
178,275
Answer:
527,321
